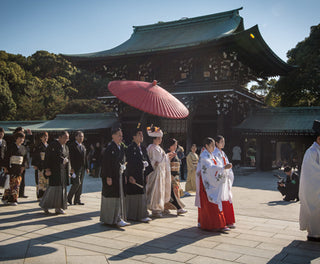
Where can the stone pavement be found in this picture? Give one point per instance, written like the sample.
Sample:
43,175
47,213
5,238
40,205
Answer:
267,231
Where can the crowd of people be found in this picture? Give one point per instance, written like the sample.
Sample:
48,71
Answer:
137,180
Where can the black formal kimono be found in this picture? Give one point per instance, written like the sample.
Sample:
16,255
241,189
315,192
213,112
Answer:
3,149
138,166
38,158
291,188
78,159
112,201
57,160
14,160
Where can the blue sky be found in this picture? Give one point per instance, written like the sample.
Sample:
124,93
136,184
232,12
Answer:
79,26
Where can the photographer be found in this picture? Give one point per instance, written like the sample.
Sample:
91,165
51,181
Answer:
290,187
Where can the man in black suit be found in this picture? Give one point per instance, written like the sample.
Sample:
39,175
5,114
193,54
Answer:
3,147
79,165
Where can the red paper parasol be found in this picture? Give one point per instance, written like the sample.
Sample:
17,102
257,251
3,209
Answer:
149,97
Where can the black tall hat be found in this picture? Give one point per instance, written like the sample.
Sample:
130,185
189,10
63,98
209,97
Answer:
137,129
316,126
115,128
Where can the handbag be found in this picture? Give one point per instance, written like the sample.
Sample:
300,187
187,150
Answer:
4,180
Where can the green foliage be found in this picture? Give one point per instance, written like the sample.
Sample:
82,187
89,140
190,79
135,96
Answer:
302,86
43,85
78,106
7,104
89,85
266,88
49,65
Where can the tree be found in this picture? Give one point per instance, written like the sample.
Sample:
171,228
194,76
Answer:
53,96
7,105
302,86
40,86
30,106
89,85
49,65
85,106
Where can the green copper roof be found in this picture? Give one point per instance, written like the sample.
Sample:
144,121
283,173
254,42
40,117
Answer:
218,30
290,120
186,32
74,122
9,126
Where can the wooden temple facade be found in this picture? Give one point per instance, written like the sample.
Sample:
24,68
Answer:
205,62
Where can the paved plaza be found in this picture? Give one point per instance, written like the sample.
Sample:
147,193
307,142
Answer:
267,231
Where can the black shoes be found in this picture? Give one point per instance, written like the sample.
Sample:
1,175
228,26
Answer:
78,203
314,239
23,196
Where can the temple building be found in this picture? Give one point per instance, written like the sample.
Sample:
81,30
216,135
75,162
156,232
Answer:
206,62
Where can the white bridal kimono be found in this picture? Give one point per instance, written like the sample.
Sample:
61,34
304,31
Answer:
158,187
309,192
213,178
227,186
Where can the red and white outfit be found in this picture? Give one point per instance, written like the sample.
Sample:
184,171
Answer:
226,195
210,179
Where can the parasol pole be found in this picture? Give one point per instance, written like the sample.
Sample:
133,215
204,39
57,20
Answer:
143,115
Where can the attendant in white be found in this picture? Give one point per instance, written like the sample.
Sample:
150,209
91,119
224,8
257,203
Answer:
309,192
236,156
211,176
158,188
226,195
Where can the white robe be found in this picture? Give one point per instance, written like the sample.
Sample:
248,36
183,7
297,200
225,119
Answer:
158,187
309,191
213,178
227,186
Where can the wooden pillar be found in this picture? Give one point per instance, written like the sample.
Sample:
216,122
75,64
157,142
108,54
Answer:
220,125
259,153
189,135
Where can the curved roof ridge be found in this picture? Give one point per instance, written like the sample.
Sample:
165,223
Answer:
185,21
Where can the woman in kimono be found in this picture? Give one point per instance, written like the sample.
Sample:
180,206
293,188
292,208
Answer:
226,195
14,164
158,188
210,178
57,169
38,164
175,203
113,211
192,162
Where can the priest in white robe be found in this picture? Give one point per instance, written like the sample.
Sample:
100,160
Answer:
309,192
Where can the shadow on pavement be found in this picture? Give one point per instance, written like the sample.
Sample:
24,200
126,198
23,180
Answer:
280,202
263,180
166,244
18,211
35,247
298,252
